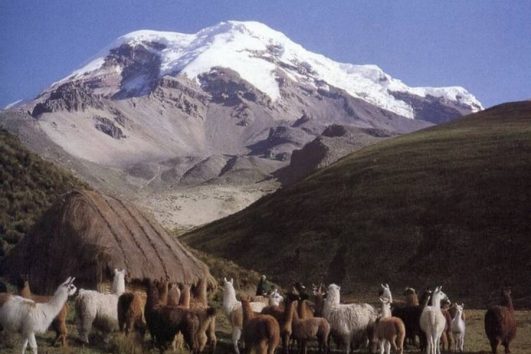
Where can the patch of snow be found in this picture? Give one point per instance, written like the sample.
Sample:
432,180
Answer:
255,51
13,104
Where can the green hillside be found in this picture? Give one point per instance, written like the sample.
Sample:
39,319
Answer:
28,186
447,205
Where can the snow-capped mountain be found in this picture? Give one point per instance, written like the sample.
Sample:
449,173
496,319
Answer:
227,105
260,55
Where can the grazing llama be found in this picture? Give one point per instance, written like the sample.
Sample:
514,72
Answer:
433,322
260,332
500,323
388,331
92,305
350,322
58,323
458,328
233,310
304,330
27,317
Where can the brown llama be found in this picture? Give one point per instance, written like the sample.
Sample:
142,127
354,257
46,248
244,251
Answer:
500,323
319,294
131,314
164,322
388,331
206,334
304,330
58,323
261,332
447,338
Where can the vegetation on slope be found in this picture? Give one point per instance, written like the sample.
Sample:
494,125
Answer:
28,186
447,205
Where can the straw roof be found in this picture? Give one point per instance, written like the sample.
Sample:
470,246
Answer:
87,234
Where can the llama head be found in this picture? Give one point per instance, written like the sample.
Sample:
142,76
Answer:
409,291
275,298
333,294
459,308
385,292
67,287
438,295
118,281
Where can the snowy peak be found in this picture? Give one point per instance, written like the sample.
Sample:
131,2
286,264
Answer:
260,56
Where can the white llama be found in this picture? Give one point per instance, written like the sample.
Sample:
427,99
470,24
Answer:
92,305
18,314
349,321
233,310
433,322
458,328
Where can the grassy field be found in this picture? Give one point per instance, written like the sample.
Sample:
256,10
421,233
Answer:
475,340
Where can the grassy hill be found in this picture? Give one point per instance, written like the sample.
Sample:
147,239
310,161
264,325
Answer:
28,186
448,205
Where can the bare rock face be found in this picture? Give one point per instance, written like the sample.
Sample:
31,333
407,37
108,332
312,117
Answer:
71,97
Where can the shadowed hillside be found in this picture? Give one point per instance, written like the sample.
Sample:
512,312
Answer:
28,186
449,204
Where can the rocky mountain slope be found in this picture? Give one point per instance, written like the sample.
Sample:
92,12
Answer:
446,205
227,105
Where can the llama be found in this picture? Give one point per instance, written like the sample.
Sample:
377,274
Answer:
350,322
164,321
412,298
319,295
92,305
500,323
58,323
447,338
433,322
458,328
410,315
388,330
206,334
174,295
303,330
131,314
260,332
27,317
233,311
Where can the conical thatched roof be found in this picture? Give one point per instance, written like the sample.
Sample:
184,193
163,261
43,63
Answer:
87,234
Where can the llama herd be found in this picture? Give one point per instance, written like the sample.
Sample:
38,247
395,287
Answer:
263,324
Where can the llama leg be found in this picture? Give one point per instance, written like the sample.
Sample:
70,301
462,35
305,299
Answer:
86,326
236,334
506,345
25,345
494,345
387,347
381,346
32,343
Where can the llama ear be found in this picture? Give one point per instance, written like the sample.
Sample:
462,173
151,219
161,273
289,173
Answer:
386,286
232,281
225,279
383,287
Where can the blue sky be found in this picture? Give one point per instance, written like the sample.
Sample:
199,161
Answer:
484,46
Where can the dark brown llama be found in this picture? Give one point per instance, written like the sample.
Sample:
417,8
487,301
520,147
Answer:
500,323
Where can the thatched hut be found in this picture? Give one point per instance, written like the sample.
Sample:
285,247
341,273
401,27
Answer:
87,234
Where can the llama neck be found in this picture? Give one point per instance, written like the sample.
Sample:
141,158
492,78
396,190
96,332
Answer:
118,285
509,302
56,303
185,297
248,313
152,297
436,301
290,314
229,299
25,291
386,310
